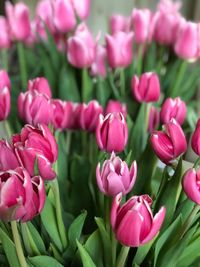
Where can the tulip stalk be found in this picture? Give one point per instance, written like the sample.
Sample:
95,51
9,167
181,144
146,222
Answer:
122,82
22,64
140,59
84,84
18,246
4,57
122,256
179,78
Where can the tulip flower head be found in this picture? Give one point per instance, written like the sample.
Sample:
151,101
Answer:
195,142
116,106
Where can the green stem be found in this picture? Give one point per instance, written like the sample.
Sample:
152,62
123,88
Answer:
18,246
22,64
68,141
147,111
189,220
8,128
84,84
196,164
107,214
114,247
112,85
122,82
122,256
4,57
140,59
179,78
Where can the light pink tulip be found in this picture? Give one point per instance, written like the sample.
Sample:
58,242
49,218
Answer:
18,20
195,142
169,6
5,41
133,223
41,85
8,159
118,23
119,49
89,115
115,177
82,8
154,119
81,50
4,80
191,185
116,106
173,108
98,67
146,88
112,132
170,143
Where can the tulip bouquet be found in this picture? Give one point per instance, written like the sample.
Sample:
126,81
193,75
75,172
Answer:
94,169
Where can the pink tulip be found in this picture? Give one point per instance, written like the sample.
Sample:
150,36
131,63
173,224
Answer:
195,142
5,41
119,23
170,143
82,8
8,159
119,49
187,41
89,115
146,88
4,103
41,85
34,108
64,17
191,185
22,198
75,123
154,119
112,132
98,67
173,108
36,147
18,20
169,6
62,114
141,19
133,223
4,80
116,106
115,176
81,50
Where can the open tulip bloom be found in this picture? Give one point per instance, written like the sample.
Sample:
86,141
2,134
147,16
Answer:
96,137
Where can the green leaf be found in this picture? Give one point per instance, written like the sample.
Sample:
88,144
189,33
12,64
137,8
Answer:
9,248
44,261
86,259
49,221
36,238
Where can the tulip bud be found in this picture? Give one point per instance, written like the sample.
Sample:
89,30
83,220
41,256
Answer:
41,85
4,80
116,106
64,17
133,223
4,103
5,41
141,21
34,108
191,185
115,177
36,146
173,108
8,159
98,67
146,88
195,142
22,198
119,49
82,8
18,20
169,143
112,132
81,48
119,23
154,119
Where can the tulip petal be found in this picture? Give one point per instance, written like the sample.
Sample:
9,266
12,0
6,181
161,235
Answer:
115,209
190,186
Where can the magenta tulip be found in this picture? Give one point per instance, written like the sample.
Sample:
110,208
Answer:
173,108
4,103
119,23
5,41
116,106
170,143
98,67
195,142
41,85
112,132
4,80
154,119
146,88
115,177
133,223
8,159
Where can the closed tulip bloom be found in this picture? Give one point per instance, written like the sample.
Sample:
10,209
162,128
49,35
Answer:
112,132
170,143
82,8
41,85
146,88
173,108
141,22
116,106
191,185
64,17
5,41
4,80
8,159
98,67
34,108
115,177
36,146
18,20
81,50
195,142
133,223
89,115
4,103
119,49
154,119
75,123
118,23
